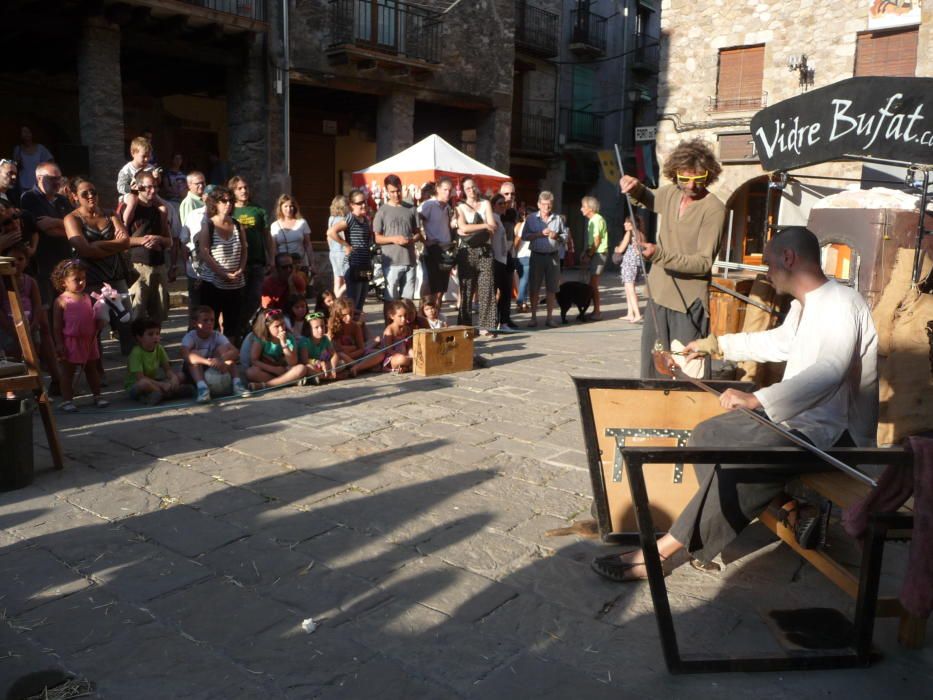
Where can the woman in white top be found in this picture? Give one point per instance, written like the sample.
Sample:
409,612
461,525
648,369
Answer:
222,252
291,233
338,255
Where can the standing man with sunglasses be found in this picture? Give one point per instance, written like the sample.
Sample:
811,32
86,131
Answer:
49,209
682,256
149,241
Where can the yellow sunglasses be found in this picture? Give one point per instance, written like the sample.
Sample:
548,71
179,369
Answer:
692,178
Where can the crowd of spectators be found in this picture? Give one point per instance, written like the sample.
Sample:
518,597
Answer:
257,317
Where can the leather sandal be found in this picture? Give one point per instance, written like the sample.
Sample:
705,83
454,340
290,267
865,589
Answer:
613,568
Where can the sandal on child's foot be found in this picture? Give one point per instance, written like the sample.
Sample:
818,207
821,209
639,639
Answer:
100,402
69,407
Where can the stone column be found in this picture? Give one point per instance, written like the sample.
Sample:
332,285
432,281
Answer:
395,124
100,104
494,138
248,121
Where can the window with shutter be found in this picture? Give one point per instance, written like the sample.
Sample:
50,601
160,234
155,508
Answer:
739,86
887,53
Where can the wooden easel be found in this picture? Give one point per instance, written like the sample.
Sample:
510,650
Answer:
32,379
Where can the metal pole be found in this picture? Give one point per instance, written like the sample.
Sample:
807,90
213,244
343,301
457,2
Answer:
921,226
286,87
729,243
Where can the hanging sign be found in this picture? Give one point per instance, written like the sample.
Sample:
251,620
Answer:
888,118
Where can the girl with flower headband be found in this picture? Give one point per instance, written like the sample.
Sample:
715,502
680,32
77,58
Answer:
274,355
74,330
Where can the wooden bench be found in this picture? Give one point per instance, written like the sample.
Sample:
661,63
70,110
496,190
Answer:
864,588
844,491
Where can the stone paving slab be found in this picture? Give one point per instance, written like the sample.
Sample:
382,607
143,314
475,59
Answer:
180,549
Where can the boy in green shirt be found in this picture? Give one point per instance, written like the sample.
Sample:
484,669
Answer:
149,375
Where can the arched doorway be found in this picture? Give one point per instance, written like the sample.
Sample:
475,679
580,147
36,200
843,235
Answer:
754,207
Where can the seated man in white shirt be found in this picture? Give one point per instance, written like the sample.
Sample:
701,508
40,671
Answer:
829,396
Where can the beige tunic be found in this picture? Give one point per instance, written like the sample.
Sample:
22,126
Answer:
686,246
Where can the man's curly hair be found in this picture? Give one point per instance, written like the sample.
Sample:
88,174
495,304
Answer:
696,155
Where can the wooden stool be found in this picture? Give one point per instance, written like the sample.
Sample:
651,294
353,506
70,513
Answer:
32,379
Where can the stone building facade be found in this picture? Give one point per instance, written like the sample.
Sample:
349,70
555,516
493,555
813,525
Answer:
198,76
694,38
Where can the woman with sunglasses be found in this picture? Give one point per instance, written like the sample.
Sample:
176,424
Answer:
682,255
222,253
359,238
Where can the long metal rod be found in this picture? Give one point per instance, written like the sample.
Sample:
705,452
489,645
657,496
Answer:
653,312
739,295
921,226
799,441
729,242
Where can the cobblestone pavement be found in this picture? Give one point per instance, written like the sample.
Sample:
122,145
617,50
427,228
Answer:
180,549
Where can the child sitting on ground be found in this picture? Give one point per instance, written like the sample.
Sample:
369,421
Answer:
414,319
149,375
207,354
432,314
398,355
296,312
274,354
317,352
325,303
347,337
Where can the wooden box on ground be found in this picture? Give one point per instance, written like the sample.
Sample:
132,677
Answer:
443,351
651,412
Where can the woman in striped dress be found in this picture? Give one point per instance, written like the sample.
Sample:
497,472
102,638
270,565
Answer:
222,252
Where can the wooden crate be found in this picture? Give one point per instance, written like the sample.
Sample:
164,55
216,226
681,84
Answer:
443,351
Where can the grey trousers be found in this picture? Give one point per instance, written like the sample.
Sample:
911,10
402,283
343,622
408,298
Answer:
673,325
730,496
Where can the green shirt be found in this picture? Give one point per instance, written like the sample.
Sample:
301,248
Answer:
597,226
149,363
321,349
255,223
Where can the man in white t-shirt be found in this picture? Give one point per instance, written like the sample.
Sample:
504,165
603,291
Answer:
828,396
194,223
435,218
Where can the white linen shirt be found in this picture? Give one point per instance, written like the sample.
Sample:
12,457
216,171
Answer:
831,380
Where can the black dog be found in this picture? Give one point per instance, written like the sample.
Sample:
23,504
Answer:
574,294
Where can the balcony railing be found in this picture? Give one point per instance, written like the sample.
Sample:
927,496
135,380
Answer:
736,104
536,30
647,56
533,133
587,31
386,26
253,9
583,127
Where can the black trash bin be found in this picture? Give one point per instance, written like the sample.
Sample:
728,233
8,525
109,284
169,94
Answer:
16,464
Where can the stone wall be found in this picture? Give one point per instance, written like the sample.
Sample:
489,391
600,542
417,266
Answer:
476,48
694,33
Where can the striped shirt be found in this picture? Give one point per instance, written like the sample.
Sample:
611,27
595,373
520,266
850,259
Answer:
227,253
360,238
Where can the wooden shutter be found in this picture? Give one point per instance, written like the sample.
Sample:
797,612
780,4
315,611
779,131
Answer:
740,78
736,147
886,54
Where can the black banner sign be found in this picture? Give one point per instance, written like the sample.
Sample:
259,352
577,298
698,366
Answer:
889,118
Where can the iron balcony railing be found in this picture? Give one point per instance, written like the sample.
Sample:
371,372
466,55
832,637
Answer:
715,103
536,30
588,28
533,133
386,26
254,9
647,55
583,127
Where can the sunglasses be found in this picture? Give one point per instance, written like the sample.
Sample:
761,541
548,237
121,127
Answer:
225,201
87,194
314,315
273,314
145,187
692,178
359,203
286,267
6,161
